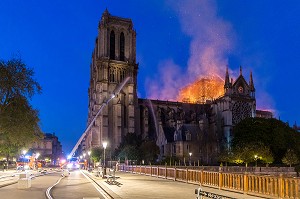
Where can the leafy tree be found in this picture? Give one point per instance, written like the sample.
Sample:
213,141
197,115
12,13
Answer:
133,147
19,122
129,153
16,79
225,156
290,158
149,151
130,139
170,160
243,154
266,155
250,152
272,133
96,154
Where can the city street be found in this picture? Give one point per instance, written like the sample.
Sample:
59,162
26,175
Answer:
74,186
127,186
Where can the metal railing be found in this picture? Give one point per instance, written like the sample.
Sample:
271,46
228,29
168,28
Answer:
246,183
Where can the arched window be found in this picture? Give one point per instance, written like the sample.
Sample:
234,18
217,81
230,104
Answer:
122,75
175,136
122,47
112,45
112,75
188,136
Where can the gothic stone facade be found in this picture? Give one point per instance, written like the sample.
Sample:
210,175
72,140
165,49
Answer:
178,128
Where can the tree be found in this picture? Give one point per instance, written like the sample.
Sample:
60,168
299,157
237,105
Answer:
129,153
149,151
244,154
131,139
96,154
290,158
250,152
272,133
266,155
19,122
16,79
225,156
129,142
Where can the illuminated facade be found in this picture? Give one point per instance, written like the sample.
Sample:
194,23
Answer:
49,148
200,125
113,59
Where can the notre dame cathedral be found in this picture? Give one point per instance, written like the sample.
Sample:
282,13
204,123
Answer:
179,128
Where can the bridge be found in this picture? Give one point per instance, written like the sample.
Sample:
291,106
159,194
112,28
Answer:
136,181
129,185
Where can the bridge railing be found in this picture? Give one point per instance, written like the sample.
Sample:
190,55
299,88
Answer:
246,183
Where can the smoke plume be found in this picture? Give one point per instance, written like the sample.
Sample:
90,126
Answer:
212,39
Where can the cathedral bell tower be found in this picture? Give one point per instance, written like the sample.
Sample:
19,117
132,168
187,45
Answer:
237,104
113,59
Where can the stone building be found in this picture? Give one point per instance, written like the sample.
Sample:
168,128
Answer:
49,148
179,128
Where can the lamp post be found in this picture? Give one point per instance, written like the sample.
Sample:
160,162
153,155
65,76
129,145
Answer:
36,160
104,144
190,158
89,163
255,157
84,160
24,152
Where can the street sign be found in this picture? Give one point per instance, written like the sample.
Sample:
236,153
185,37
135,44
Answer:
205,194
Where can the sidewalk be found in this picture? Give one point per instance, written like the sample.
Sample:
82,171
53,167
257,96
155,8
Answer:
11,176
9,172
12,172
137,186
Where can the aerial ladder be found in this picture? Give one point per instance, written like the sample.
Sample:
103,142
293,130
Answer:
105,102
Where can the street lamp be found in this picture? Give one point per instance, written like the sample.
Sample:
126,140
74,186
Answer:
104,144
255,157
24,152
36,160
89,153
84,160
190,158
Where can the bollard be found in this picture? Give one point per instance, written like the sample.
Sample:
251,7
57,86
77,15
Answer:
66,173
24,181
24,175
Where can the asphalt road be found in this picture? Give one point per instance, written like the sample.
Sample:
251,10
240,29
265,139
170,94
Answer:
37,190
75,186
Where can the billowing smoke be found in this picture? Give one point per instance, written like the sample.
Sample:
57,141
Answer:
212,40
166,85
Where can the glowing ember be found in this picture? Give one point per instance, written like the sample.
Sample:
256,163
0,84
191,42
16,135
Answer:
203,89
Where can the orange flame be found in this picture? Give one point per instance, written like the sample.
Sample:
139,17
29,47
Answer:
202,90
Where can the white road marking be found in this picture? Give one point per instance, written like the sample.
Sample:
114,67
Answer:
103,193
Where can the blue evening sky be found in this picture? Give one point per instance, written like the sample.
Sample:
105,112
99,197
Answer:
177,42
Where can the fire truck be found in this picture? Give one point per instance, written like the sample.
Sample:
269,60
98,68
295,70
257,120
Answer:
28,162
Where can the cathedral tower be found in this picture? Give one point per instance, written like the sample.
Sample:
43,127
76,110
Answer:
237,104
113,59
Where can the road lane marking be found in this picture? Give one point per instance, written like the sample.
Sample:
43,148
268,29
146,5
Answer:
49,189
102,192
